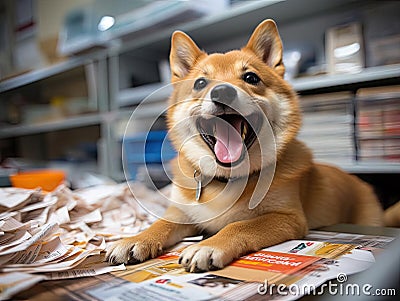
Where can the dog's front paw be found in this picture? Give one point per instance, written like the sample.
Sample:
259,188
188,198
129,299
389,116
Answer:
133,250
200,258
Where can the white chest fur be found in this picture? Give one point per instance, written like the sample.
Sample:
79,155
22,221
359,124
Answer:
226,206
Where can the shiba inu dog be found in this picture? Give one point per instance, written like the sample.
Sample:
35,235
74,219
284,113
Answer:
241,176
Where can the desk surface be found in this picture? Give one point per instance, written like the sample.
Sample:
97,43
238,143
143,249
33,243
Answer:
74,289
366,230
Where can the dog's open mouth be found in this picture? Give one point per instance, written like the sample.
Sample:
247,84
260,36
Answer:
229,135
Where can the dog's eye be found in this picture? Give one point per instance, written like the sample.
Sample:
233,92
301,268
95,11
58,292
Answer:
200,83
251,78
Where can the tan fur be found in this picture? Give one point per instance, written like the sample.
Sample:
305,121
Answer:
392,216
302,194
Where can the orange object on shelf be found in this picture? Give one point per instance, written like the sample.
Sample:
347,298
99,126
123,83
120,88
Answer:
47,179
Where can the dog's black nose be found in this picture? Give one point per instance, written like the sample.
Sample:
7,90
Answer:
224,94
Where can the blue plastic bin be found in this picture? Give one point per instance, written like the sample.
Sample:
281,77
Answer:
146,148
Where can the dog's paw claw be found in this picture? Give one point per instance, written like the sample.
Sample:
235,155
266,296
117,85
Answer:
195,269
132,251
133,260
111,260
197,259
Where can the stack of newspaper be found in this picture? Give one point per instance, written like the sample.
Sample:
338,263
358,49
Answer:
378,123
62,234
328,126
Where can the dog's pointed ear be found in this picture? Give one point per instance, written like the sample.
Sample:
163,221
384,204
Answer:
266,43
184,54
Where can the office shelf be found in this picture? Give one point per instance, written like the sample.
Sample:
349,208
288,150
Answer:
62,124
46,72
326,81
365,167
152,93
236,21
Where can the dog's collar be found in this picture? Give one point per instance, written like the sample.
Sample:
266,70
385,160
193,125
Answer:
198,178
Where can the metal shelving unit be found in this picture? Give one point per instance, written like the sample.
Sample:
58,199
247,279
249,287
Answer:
115,101
91,68
241,21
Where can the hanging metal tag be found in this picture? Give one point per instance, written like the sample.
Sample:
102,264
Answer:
197,178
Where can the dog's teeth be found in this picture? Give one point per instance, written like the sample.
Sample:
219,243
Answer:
244,131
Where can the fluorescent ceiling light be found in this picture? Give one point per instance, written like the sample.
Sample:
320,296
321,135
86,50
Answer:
106,23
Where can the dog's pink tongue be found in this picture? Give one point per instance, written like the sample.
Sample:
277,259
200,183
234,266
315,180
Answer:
229,145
